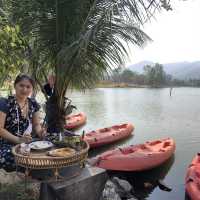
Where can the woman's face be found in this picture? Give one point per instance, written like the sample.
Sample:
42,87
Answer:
23,88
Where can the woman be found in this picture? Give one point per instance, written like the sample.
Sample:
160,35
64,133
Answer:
19,117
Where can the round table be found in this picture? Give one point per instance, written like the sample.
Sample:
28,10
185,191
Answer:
41,160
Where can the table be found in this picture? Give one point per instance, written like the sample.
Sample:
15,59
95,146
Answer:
40,160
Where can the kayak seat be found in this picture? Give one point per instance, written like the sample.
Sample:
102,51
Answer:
116,127
197,174
144,147
191,165
166,144
119,126
104,130
190,179
127,151
154,142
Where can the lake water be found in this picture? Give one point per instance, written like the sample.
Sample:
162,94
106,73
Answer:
155,115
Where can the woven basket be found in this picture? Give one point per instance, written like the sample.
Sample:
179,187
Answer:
43,161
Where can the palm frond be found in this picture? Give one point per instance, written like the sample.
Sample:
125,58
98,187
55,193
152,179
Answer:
100,46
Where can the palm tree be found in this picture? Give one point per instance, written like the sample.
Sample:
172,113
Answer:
78,40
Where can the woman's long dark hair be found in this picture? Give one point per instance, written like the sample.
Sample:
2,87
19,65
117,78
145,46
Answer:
21,77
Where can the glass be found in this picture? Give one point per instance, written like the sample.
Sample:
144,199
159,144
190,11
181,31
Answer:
25,149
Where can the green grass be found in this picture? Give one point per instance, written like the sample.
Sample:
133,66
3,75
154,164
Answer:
17,192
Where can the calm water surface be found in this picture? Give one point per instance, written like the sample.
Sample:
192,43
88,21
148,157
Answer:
155,115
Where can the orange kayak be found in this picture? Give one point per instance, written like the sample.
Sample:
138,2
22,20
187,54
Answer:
192,180
75,121
108,135
137,157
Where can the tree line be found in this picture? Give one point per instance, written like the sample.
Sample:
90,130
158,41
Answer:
153,76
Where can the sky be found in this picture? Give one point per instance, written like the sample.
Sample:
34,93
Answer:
175,34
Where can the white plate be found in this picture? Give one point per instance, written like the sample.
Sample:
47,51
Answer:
40,145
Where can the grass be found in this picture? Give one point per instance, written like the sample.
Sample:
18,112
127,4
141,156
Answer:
17,192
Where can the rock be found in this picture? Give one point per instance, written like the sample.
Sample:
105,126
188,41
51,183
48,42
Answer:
109,192
10,177
122,188
125,185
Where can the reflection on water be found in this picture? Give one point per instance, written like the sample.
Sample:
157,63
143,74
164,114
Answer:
187,197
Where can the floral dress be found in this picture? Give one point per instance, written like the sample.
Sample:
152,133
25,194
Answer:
14,123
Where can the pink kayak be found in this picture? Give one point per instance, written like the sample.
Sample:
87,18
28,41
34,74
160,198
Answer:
108,135
137,157
192,180
75,121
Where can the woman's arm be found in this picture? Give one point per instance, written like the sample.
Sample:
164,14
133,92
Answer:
37,128
6,134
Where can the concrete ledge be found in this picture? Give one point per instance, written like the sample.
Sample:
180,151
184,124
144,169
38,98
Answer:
87,186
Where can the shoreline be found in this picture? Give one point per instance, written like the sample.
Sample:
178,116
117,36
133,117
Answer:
128,85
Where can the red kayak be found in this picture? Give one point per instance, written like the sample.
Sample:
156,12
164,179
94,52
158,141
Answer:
108,135
75,121
192,180
137,157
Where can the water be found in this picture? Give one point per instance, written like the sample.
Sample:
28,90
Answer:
155,115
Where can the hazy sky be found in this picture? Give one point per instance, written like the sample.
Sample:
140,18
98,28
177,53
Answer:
175,34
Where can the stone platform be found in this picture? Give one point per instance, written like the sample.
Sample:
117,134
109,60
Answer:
87,185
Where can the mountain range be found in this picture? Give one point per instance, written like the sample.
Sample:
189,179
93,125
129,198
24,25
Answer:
179,70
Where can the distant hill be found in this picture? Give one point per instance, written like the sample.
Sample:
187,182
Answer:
179,70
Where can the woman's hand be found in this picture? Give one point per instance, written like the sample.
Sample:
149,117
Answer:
26,138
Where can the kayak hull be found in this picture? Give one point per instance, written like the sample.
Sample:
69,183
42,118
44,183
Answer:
192,180
108,135
75,121
137,157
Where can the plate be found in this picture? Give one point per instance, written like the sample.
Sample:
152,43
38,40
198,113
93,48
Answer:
40,145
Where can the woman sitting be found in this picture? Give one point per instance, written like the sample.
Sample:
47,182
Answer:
19,117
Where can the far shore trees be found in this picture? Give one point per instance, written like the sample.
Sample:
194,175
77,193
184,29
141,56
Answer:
155,75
